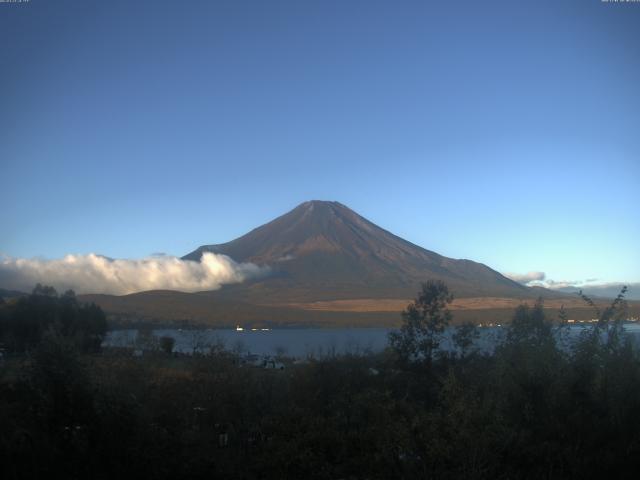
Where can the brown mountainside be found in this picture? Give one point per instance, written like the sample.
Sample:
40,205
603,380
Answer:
324,250
329,266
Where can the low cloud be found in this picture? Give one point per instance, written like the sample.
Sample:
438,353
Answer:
557,284
526,278
98,274
612,289
590,286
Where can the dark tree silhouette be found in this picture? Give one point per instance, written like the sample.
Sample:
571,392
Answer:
424,322
464,337
167,344
25,323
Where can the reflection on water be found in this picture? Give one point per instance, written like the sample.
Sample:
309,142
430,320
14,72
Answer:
305,342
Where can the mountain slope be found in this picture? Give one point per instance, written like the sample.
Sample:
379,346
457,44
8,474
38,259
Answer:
323,250
329,267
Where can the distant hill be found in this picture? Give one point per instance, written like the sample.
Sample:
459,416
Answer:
610,290
11,293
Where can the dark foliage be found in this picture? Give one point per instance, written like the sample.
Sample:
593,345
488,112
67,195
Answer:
166,344
532,409
44,313
424,322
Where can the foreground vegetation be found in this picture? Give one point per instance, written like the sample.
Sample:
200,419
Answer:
529,410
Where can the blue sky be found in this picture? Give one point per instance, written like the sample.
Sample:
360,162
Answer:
504,132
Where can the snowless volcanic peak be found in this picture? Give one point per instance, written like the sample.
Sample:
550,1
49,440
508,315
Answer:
322,246
311,227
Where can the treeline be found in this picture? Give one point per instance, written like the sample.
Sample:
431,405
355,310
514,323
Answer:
26,321
532,409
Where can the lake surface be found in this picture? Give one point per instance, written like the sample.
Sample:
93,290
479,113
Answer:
305,342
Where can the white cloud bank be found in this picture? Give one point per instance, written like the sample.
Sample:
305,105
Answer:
526,277
590,286
98,274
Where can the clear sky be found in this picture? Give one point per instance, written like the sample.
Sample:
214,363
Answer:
507,132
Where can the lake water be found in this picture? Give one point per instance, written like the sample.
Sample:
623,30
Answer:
304,342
